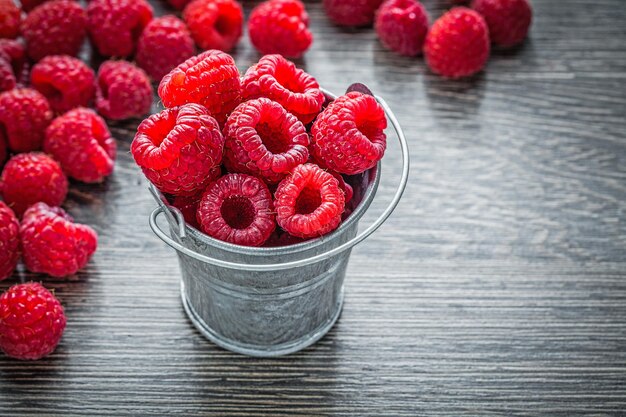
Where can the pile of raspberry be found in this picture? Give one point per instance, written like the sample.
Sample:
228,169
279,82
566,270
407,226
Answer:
263,159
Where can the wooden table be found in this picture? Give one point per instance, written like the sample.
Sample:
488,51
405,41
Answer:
497,288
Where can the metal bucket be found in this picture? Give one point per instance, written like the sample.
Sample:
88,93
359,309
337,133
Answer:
270,301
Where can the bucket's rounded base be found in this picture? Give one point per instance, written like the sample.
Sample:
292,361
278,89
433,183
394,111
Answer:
255,350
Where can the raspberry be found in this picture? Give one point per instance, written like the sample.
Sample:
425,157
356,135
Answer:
457,44
279,80
178,148
82,143
32,321
214,24
24,116
178,4
7,78
508,20
344,186
309,202
10,18
163,44
210,79
9,241
348,136
65,81
14,52
280,27
188,206
237,208
115,25
123,91
265,140
54,28
402,25
351,12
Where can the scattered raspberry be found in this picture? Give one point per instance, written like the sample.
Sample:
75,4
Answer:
280,27
65,81
55,28
178,4
115,25
214,24
265,140
237,209
457,44
210,79
309,202
10,18
279,80
123,91
9,241
348,136
351,12
508,20
178,148
402,25
163,44
24,116
82,143
31,321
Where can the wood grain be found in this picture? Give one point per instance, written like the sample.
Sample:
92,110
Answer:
497,288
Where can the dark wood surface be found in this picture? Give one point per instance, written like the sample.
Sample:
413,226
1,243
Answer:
497,288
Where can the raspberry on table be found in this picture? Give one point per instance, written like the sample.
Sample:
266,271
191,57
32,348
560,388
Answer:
508,20
348,136
402,25
57,27
28,178
351,12
178,4
123,91
309,202
65,81
80,140
265,140
115,25
9,241
210,79
32,321
238,209
53,244
24,116
279,80
280,27
163,44
178,149
457,44
214,24
10,19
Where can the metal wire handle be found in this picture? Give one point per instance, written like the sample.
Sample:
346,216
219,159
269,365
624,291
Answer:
302,262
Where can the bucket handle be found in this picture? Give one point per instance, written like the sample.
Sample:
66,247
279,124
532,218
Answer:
301,262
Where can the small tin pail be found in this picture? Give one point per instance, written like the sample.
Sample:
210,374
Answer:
270,301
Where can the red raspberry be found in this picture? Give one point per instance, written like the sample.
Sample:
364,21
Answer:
457,44
7,78
265,140
163,44
237,208
178,4
65,81
54,28
10,18
344,186
214,24
32,321
508,20
351,12
123,91
115,25
402,25
178,148
211,79
309,202
9,241
348,136
24,116
53,244
188,206
279,80
280,27
82,143
14,51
